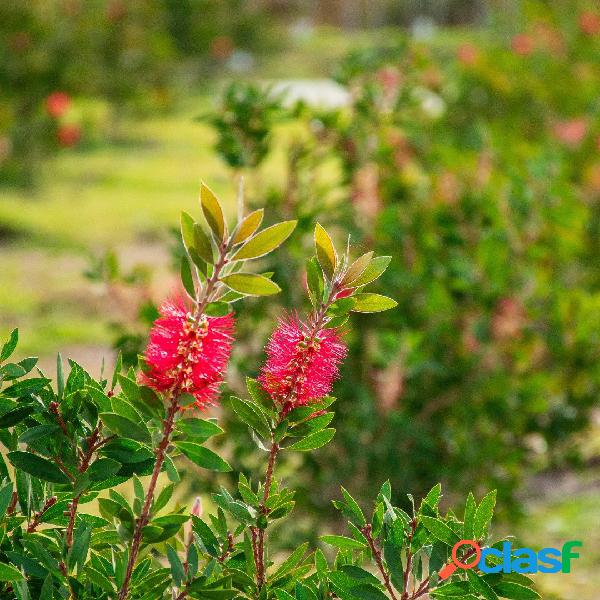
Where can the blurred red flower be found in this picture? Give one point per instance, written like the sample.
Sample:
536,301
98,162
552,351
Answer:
221,47
68,135
589,22
301,367
522,44
186,354
571,132
57,104
467,54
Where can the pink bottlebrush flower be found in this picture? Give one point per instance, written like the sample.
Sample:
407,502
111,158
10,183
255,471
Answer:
300,369
187,355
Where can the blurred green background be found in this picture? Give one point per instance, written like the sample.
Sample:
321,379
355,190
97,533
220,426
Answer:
463,138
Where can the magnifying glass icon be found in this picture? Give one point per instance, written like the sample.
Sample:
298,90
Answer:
457,563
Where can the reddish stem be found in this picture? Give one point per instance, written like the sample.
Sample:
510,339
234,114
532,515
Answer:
169,425
367,531
142,521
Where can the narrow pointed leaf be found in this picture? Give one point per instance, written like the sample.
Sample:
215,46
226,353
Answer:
325,250
37,466
248,226
265,241
357,268
213,213
251,284
370,303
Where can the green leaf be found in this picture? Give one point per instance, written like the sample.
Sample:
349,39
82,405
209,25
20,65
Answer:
433,498
177,570
81,545
314,440
187,230
9,347
265,241
203,457
440,530
199,429
217,309
370,303
484,514
325,250
26,387
252,416
60,377
515,591
213,213
292,561
126,427
479,585
342,542
14,416
356,269
202,246
186,399
103,468
341,307
187,279
8,573
163,498
314,280
355,513
5,497
251,284
374,270
469,517
37,466
99,579
453,589
206,535
248,226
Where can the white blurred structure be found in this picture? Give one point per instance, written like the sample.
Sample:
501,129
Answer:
320,93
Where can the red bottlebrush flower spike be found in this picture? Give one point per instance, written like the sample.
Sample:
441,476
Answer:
186,355
300,370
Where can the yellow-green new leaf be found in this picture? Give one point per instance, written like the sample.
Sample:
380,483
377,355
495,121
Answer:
251,284
202,244
370,303
357,268
265,241
325,250
213,213
374,270
187,230
248,226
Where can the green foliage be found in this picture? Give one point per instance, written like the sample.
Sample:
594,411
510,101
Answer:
473,167
71,444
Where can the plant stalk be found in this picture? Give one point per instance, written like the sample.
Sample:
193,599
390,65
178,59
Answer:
168,427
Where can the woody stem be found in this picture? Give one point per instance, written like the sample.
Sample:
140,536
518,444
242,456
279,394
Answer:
168,427
259,536
142,521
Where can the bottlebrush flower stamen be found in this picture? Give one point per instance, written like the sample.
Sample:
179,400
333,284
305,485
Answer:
302,363
187,353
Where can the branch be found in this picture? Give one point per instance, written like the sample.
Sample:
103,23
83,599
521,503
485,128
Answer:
168,427
37,517
367,532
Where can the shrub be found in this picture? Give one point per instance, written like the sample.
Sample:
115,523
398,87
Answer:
70,442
